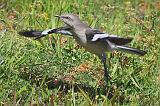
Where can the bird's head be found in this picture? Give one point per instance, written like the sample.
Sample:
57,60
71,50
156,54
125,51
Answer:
69,19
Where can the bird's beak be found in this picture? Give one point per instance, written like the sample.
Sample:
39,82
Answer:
57,16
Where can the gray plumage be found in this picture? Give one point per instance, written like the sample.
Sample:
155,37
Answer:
94,40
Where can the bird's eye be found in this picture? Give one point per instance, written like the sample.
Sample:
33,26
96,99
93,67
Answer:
68,18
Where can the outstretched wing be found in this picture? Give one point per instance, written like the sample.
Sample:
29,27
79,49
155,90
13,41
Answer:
31,33
95,35
40,34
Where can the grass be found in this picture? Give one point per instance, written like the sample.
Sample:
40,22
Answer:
56,56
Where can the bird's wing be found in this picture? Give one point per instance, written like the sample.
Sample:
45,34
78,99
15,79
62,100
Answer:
39,34
96,35
30,33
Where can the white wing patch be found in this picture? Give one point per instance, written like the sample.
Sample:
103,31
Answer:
65,32
45,32
101,36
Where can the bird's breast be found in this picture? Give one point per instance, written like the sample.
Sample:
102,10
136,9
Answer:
80,37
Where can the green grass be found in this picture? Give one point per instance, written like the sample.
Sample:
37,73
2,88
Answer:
56,56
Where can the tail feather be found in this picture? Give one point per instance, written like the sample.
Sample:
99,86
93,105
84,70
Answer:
131,50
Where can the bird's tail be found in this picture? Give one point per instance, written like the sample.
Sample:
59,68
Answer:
131,50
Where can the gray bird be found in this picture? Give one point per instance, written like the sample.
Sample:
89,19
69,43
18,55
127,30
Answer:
92,40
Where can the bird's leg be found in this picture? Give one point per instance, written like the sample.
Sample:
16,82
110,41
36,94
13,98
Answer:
102,89
106,70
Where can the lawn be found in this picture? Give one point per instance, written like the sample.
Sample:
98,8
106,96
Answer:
28,66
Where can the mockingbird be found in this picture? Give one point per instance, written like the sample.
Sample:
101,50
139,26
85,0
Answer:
92,40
